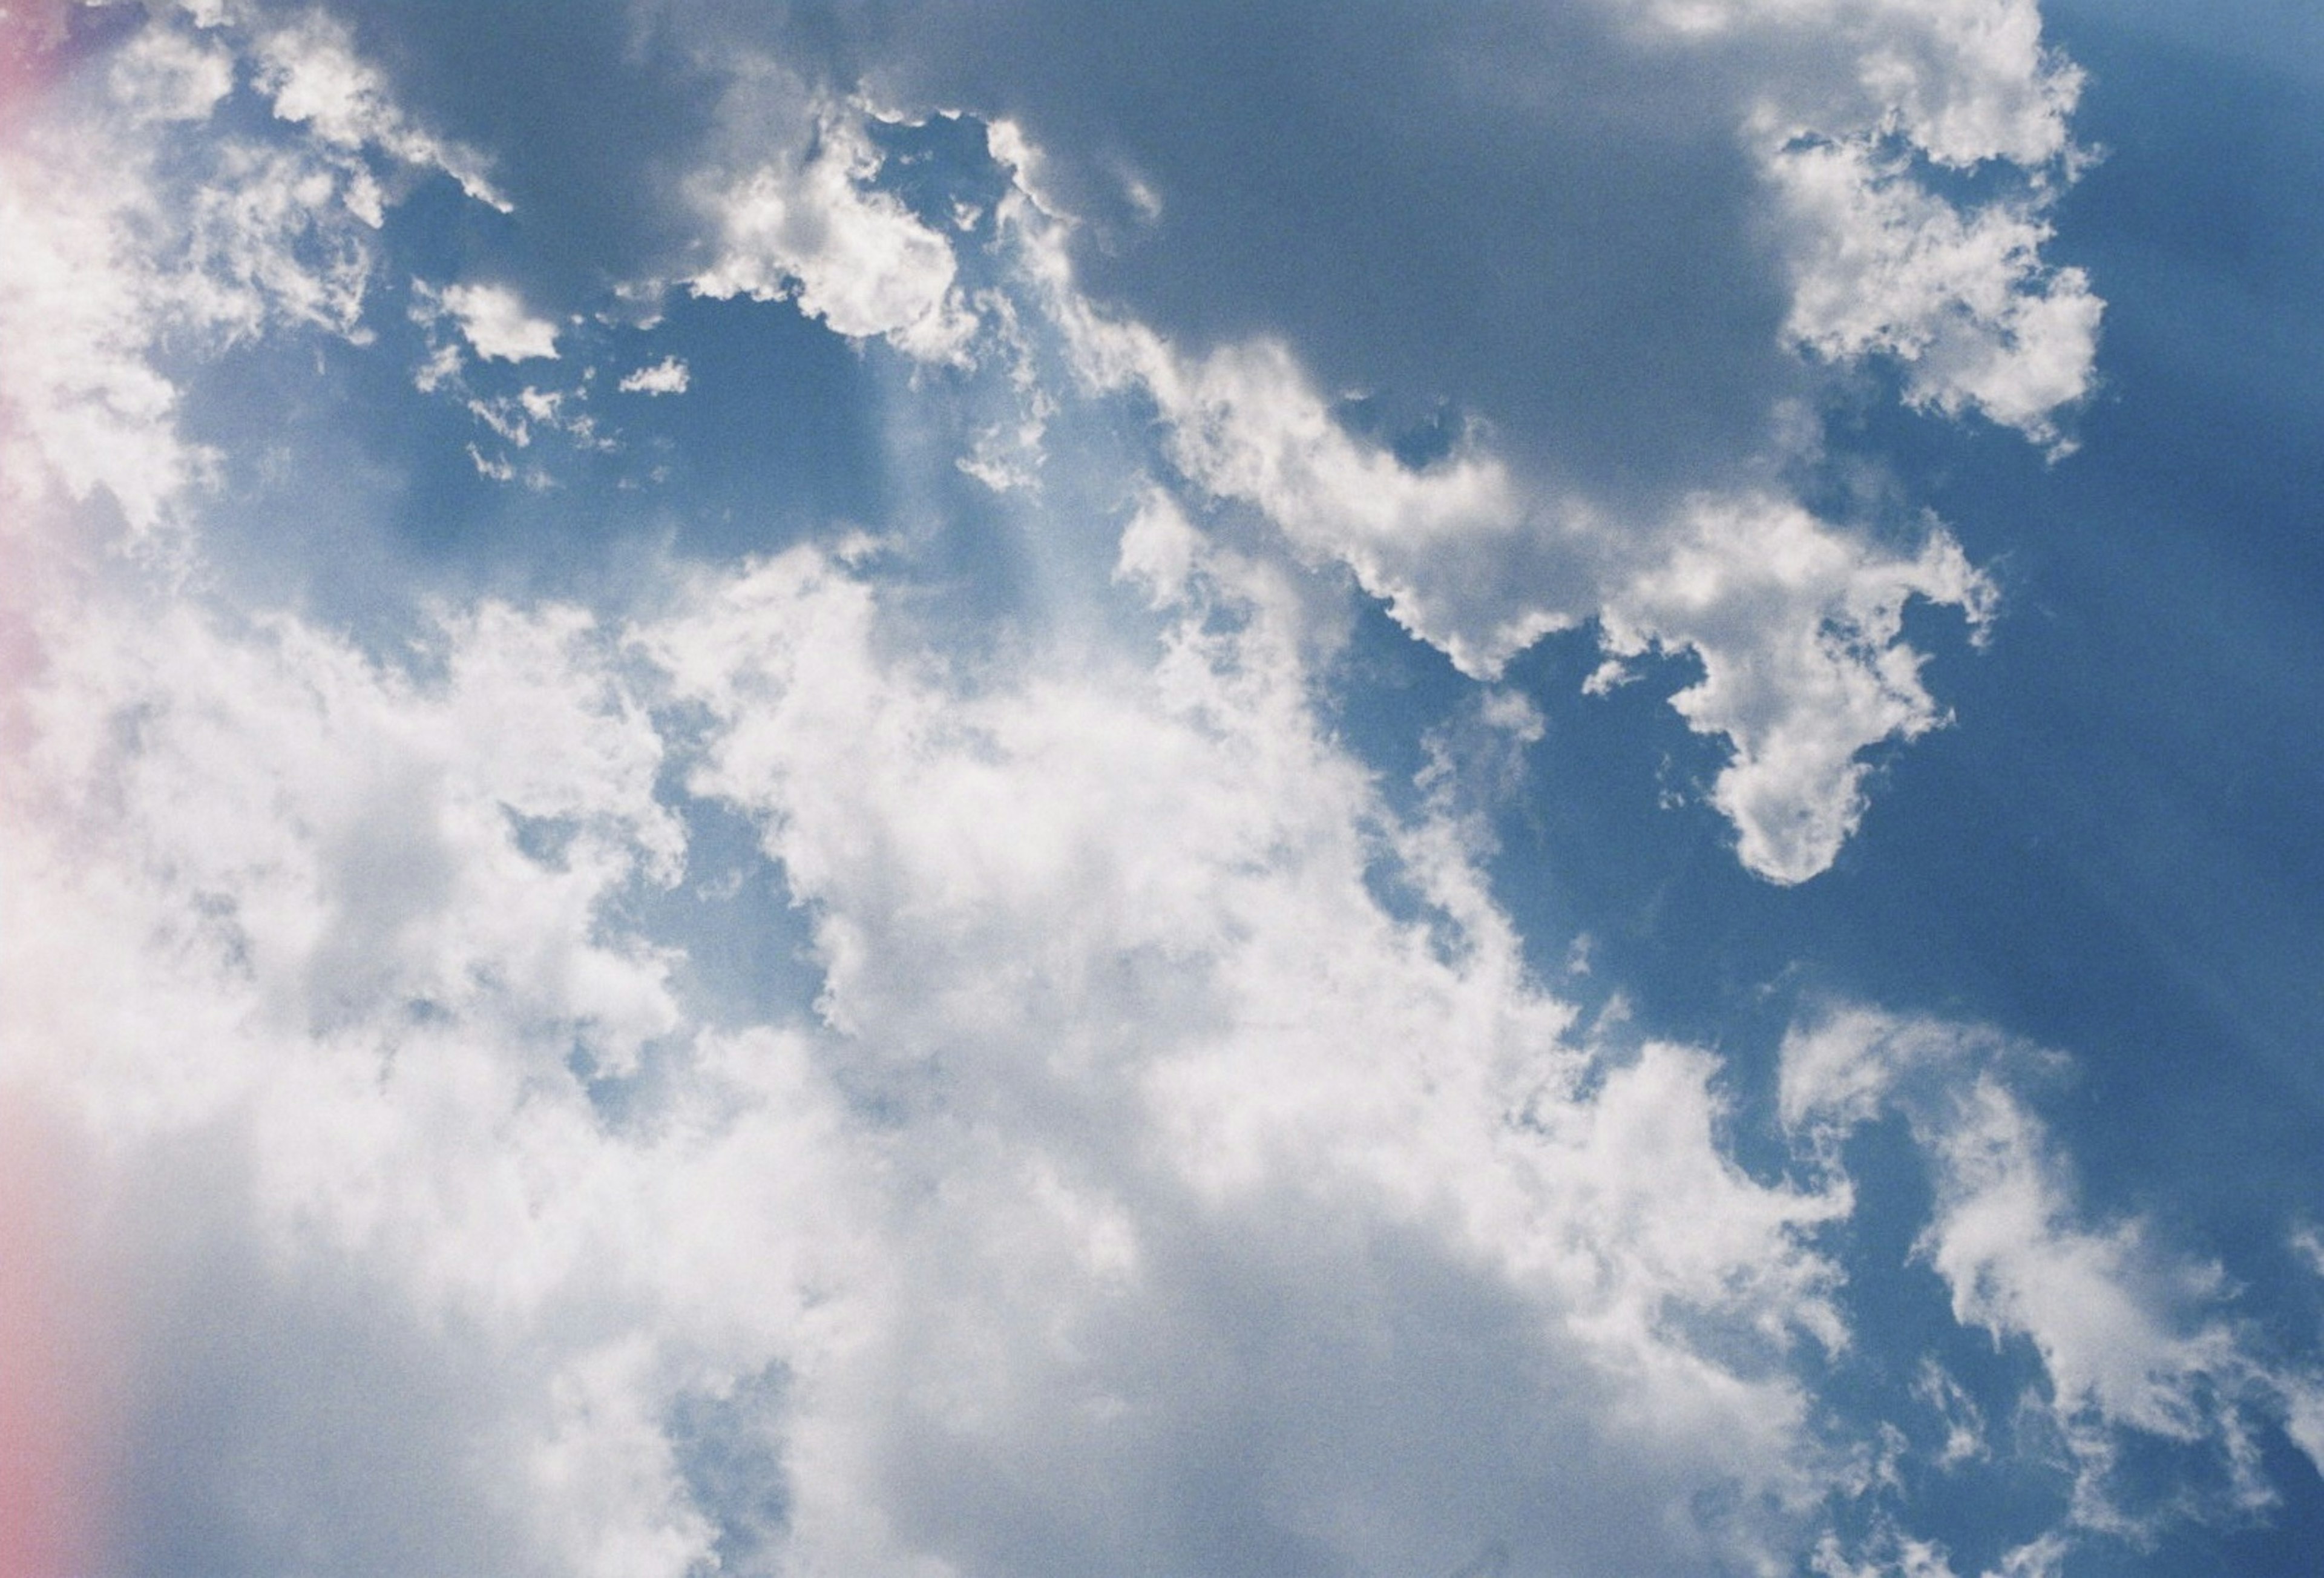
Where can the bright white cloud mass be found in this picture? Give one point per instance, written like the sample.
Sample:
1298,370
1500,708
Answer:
1153,891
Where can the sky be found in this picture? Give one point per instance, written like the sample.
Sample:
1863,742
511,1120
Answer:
843,788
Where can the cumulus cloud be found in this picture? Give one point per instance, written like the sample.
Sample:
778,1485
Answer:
666,376
1963,81
84,409
1527,526
810,227
1163,1089
1107,1000
1110,937
497,324
337,935
1535,521
1797,629
1962,299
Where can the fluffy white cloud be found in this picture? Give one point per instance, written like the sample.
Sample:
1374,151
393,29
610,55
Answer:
1450,550
666,376
1797,629
807,226
1167,1095
495,322
81,409
1164,1090
1470,552
1881,263
168,74
1842,106
1178,1169
345,932
1963,81
1123,1068
1962,299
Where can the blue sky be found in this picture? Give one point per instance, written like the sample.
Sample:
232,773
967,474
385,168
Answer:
908,788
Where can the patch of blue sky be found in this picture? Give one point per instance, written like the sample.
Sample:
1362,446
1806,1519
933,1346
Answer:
351,491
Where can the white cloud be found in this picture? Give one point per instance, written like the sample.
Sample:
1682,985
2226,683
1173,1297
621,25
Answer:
112,248
1963,81
136,214
1795,621
1114,930
666,376
348,931
1880,262
1798,629
1805,668
309,68
1450,550
1112,1009
805,225
1962,299
84,410
166,75
496,323
1133,1119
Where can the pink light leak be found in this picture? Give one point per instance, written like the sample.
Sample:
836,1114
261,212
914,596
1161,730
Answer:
57,1389
53,1396
29,31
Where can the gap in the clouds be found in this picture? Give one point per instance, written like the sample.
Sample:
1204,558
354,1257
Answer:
979,571
2116,849
436,231
730,1457
1418,433
943,171
1622,877
974,558
2200,146
744,950
778,431
1388,690
2280,1542
354,494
